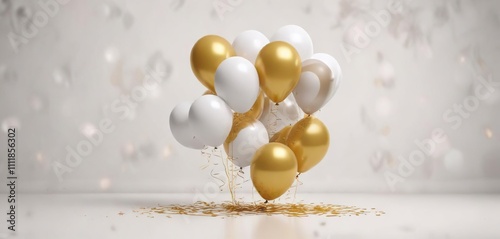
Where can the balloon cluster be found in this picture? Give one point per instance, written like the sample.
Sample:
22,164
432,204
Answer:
249,107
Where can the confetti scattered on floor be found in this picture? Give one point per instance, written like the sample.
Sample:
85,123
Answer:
212,209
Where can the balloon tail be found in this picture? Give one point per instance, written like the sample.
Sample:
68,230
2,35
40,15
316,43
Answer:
240,175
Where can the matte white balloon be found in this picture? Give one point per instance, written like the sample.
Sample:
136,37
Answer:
180,127
237,83
249,43
246,143
315,86
331,62
211,119
297,37
276,117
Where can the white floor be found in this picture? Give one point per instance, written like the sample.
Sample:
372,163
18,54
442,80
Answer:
407,216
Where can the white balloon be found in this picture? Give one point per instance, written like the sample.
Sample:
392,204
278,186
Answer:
307,89
297,37
249,43
237,83
276,117
180,127
315,86
211,119
334,67
246,143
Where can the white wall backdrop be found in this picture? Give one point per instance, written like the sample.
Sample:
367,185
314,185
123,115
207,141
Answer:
60,76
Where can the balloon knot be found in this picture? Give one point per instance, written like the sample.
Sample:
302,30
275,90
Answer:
277,104
215,147
266,201
297,175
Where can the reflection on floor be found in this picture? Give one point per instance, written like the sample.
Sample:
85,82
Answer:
117,216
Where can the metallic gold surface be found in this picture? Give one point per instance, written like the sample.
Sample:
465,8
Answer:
207,53
279,67
281,136
309,140
273,170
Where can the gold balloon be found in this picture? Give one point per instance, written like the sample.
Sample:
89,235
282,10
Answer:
279,67
208,92
240,122
256,111
309,140
206,55
273,170
281,136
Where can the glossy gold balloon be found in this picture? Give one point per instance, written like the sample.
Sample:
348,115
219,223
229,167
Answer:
256,111
240,122
279,67
281,136
309,140
208,92
206,55
273,170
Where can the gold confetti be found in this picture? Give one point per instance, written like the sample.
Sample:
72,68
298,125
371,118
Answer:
229,209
